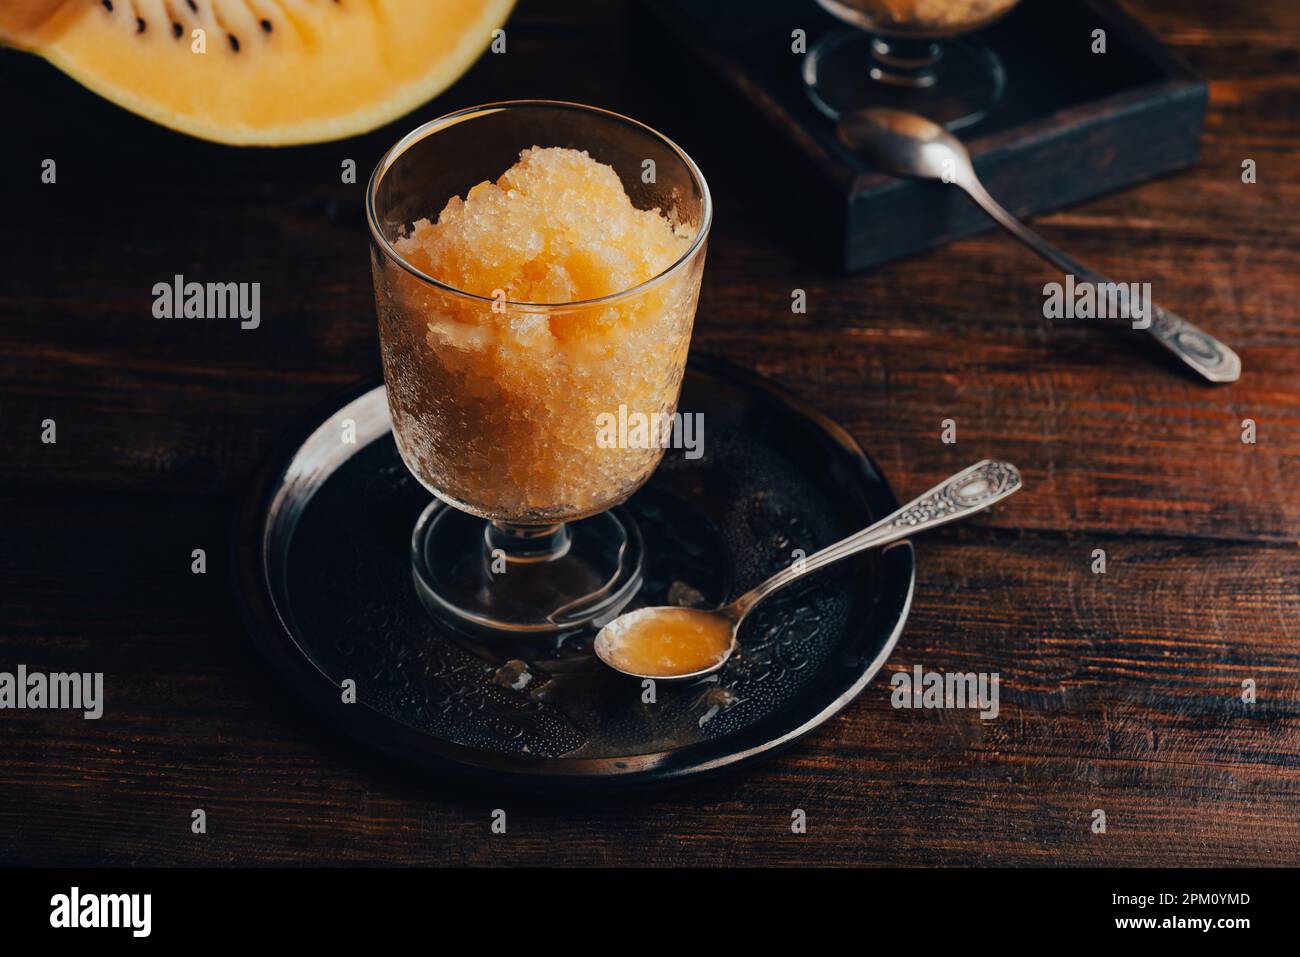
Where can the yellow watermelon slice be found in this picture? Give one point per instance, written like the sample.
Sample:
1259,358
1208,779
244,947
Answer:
268,72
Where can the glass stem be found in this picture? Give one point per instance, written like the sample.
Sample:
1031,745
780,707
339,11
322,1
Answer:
525,544
905,61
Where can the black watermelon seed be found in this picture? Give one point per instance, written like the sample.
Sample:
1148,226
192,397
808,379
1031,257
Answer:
266,25
234,42
139,24
176,30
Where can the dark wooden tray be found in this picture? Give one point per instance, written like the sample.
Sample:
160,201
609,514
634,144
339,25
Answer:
1073,124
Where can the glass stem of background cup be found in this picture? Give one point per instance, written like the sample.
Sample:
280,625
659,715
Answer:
525,544
905,61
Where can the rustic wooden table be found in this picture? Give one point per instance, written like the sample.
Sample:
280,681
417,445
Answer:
1120,691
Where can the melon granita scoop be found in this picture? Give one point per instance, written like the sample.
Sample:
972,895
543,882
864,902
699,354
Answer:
557,227
514,382
529,294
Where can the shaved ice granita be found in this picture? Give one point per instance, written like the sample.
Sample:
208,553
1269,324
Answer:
514,313
501,417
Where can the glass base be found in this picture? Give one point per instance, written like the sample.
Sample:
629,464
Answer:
953,82
515,580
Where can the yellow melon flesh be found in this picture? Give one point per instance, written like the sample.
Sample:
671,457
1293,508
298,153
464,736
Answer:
273,72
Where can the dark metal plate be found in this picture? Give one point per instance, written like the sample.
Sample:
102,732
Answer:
324,582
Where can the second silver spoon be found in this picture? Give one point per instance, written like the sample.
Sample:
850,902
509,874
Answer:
908,144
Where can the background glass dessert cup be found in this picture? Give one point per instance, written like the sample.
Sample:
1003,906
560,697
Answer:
901,54
539,304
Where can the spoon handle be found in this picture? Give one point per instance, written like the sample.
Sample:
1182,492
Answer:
1194,346
969,491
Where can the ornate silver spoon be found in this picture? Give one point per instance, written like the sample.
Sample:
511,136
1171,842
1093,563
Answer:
908,144
677,644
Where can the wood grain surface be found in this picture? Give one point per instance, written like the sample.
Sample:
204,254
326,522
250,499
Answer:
1120,691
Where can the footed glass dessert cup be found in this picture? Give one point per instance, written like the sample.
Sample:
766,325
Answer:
908,55
536,267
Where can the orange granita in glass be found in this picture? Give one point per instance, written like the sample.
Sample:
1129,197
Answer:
496,399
